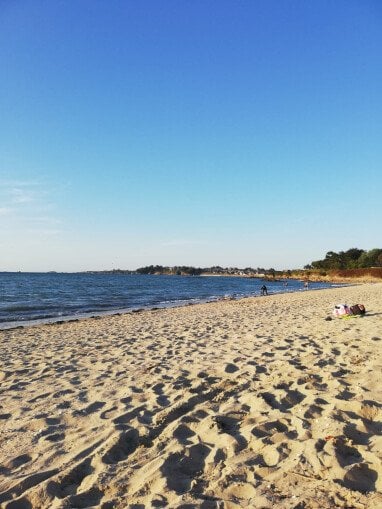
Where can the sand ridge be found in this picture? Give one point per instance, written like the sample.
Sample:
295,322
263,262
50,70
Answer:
253,403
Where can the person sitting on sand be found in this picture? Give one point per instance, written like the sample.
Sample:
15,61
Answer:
263,290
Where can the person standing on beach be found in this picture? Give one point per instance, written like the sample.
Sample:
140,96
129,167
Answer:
263,290
306,285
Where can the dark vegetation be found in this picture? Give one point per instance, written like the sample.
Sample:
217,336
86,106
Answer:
184,270
352,259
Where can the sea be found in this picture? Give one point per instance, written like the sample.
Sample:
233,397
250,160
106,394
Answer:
28,298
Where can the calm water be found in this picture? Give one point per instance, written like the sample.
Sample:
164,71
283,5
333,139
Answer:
40,296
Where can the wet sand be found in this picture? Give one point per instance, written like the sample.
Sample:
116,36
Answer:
255,403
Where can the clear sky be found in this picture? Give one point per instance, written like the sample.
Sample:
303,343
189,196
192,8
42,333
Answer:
179,132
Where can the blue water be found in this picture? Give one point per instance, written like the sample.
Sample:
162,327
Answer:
45,296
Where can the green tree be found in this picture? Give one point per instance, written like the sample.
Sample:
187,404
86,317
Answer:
370,258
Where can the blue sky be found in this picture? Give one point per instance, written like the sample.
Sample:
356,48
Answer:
238,133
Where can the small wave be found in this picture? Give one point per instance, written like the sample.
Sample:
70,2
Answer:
22,308
29,317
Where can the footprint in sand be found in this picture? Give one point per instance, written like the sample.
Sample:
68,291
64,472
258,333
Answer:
360,477
183,434
231,368
157,501
181,467
53,433
109,413
40,396
321,401
357,436
240,491
121,447
345,395
313,412
163,400
64,392
292,398
15,463
220,455
90,409
52,421
64,405
345,454
71,480
21,487
274,431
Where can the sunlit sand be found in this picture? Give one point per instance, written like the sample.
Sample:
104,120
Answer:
254,403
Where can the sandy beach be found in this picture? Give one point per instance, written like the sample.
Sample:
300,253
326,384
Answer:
256,403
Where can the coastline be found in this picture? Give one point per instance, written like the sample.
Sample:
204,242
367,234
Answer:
96,314
255,402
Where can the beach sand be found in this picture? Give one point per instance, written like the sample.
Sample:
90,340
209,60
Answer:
256,403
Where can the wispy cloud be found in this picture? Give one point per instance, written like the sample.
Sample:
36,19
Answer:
19,191
183,242
44,220
45,232
5,211
30,205
22,195
10,183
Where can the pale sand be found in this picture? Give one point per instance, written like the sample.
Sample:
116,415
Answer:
255,403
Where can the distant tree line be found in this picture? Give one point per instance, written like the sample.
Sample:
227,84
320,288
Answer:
351,259
160,269
184,270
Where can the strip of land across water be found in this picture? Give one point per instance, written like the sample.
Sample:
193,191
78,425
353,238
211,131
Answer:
261,402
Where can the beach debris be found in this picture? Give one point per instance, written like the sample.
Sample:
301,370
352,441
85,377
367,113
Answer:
345,311
341,310
358,309
338,440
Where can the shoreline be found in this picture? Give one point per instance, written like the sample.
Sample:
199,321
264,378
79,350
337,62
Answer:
19,324
234,403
